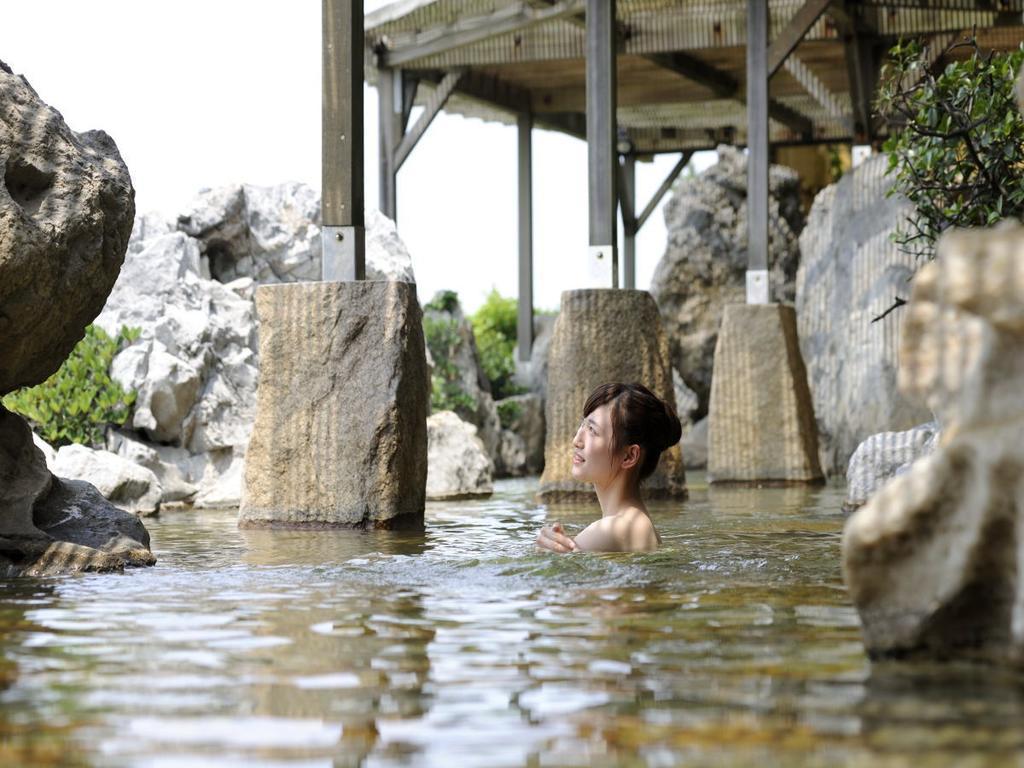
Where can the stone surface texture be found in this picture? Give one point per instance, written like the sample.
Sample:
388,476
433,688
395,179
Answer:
591,345
521,451
850,273
340,437
458,466
66,211
933,560
196,365
694,445
761,421
123,483
705,261
884,456
53,526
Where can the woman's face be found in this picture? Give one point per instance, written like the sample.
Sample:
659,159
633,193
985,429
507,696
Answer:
592,447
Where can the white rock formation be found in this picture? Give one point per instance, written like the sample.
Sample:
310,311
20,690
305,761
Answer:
458,466
124,483
884,456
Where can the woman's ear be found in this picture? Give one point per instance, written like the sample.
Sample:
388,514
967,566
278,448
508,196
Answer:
631,457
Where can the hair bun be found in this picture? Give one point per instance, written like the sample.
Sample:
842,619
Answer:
670,430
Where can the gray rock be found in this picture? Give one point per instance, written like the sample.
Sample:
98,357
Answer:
694,445
53,526
850,272
170,465
687,401
591,345
272,234
66,210
705,261
458,465
521,451
340,432
884,456
533,374
124,483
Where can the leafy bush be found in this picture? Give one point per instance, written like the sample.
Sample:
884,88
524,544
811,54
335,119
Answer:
446,392
956,143
508,412
494,326
443,301
79,401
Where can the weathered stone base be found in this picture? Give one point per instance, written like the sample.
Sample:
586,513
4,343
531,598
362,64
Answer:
340,436
601,336
761,418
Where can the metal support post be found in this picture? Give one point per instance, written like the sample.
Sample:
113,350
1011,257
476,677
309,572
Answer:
390,129
627,203
524,327
342,232
601,135
758,291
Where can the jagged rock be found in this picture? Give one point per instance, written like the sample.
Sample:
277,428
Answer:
932,560
521,451
850,272
123,483
166,388
533,375
884,456
222,479
170,465
458,466
340,433
694,445
705,261
592,345
272,234
463,355
55,526
66,210
687,401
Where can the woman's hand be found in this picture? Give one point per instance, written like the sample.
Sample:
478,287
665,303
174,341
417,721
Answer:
553,538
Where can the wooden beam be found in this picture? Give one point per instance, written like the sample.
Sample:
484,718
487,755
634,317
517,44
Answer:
794,32
468,30
627,204
722,84
524,322
389,131
601,134
757,155
433,106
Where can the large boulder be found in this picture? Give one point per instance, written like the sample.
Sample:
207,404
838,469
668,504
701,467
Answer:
123,483
340,437
850,273
593,345
521,451
51,525
458,466
884,456
66,210
932,561
705,261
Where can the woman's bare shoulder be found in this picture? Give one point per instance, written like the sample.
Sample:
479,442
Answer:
628,531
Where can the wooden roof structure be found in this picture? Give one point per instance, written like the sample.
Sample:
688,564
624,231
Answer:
681,64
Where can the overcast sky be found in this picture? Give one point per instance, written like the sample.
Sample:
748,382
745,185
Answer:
201,93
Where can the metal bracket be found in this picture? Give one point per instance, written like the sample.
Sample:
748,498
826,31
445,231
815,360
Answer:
344,254
601,266
757,287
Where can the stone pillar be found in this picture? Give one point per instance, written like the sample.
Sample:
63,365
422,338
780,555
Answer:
340,436
761,416
601,336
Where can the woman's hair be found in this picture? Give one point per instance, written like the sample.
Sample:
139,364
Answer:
638,417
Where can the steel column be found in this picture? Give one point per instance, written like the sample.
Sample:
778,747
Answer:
524,327
390,129
627,203
601,135
341,216
758,291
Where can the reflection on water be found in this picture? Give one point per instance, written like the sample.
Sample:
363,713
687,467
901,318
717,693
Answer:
462,645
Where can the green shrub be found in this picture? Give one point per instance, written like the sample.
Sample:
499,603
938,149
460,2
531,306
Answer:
508,412
494,327
443,301
956,144
446,392
79,401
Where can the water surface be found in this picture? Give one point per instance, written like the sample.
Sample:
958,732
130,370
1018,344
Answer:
464,646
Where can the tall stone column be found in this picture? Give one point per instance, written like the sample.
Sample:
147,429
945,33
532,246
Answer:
601,336
340,436
761,418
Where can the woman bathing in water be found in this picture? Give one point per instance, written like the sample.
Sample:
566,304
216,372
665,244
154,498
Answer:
624,430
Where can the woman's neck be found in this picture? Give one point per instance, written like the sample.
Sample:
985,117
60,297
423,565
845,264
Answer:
617,496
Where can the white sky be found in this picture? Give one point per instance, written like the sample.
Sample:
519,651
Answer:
200,93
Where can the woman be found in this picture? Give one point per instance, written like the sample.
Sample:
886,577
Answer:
624,430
